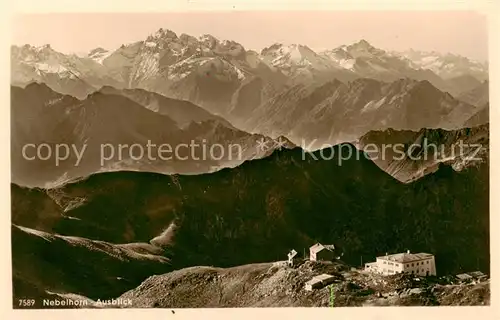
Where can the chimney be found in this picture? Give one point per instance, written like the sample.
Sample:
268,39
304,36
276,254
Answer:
407,251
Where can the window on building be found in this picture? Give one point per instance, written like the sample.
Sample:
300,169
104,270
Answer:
407,265
417,263
412,264
427,261
412,271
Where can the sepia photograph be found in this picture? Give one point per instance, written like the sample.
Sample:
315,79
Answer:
249,159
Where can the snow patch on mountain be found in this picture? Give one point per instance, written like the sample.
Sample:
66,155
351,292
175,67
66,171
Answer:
45,60
374,105
445,65
147,67
99,54
50,68
295,58
182,69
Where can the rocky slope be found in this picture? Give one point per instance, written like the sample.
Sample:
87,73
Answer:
276,285
409,155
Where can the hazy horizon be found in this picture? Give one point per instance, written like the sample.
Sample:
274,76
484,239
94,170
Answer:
459,32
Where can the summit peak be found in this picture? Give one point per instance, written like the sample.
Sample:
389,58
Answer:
362,44
165,33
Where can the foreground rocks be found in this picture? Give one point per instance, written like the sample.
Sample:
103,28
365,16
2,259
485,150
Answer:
276,285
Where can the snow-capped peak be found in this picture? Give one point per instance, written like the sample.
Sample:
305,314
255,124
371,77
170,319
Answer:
295,57
45,60
278,53
340,56
165,34
362,48
29,49
445,65
362,44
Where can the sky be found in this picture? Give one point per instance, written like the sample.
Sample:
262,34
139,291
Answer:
459,32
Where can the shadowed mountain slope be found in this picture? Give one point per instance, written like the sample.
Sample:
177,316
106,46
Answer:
182,112
479,118
478,96
68,264
409,155
110,132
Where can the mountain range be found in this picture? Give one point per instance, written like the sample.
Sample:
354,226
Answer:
319,115
158,230
311,116
114,118
240,85
242,215
210,72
